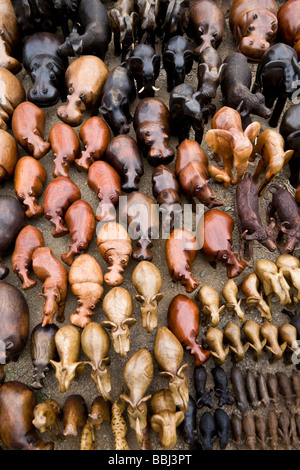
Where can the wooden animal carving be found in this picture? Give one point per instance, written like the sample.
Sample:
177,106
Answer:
12,93
117,306
84,78
42,350
191,169
273,281
254,298
104,180
181,250
17,431
254,25
80,220
165,189
230,294
217,242
270,146
58,197
289,25
168,353
45,415
183,321
29,180
12,220
229,141
14,329
86,281
74,415
147,280
95,344
28,124
67,341
29,239
164,418
95,136
249,220
118,424
8,156
54,277
115,248
209,299
289,266
138,375
65,146
9,37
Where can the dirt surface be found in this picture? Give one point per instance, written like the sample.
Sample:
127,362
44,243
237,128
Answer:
22,370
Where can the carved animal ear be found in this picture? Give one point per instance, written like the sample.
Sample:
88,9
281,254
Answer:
222,71
252,131
158,297
135,63
134,18
103,110
168,56
156,64
219,140
284,227
140,298
288,155
202,68
249,237
114,16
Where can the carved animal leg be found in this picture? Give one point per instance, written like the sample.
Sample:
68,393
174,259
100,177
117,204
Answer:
260,169
294,165
277,111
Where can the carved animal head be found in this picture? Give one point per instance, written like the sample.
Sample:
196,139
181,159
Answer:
125,26
229,258
265,235
115,109
73,45
120,334
178,58
208,81
66,5
284,73
254,104
144,64
155,137
293,236
148,310
261,28
165,419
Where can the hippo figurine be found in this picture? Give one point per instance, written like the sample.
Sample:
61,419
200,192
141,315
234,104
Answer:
216,241
289,24
14,330
151,123
236,86
91,33
276,75
254,24
85,78
117,95
144,64
206,25
186,113
290,131
124,155
177,61
17,431
46,69
9,37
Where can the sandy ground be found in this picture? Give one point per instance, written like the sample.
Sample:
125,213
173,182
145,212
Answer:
23,369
